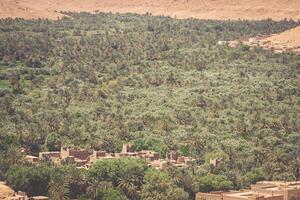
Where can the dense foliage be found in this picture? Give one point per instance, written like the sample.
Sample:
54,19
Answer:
97,81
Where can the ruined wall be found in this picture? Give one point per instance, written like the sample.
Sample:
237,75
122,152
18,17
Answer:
51,154
99,153
293,194
208,196
279,197
270,192
80,154
265,190
172,155
156,156
239,198
64,153
127,148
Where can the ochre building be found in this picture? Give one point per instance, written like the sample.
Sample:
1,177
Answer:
264,190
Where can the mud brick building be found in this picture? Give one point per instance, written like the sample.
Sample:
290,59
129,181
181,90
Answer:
264,190
85,159
53,156
32,159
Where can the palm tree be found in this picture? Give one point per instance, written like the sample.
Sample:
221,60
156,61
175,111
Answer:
94,188
93,191
59,189
130,185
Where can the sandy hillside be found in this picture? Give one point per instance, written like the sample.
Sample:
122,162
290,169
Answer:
5,191
212,9
289,39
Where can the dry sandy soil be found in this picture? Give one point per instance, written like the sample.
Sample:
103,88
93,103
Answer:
289,39
5,191
203,9
208,9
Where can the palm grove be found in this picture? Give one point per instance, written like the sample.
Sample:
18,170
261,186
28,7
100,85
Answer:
97,81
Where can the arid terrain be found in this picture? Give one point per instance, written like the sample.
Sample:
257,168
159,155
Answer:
289,39
5,191
208,9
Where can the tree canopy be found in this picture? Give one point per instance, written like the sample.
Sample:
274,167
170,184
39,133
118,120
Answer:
96,81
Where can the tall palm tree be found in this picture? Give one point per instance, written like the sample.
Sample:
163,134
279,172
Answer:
94,188
130,185
59,190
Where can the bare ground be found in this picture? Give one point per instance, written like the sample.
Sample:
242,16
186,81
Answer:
204,9
289,39
5,191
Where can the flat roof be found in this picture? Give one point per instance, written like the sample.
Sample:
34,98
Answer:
243,194
29,156
249,193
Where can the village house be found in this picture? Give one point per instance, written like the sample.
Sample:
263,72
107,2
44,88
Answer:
84,159
32,159
172,158
38,198
214,161
53,156
179,161
264,190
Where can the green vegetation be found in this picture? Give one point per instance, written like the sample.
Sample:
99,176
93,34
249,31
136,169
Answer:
33,180
4,84
97,81
159,186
